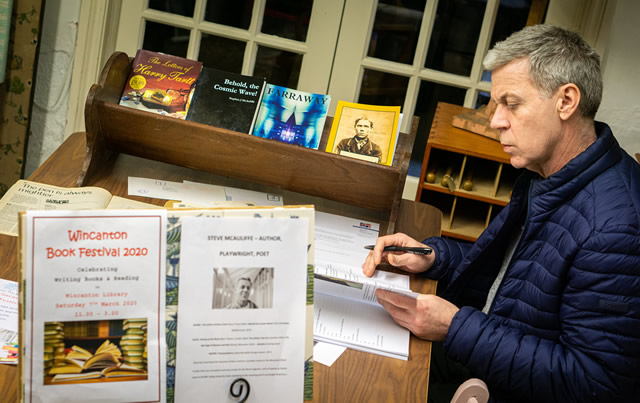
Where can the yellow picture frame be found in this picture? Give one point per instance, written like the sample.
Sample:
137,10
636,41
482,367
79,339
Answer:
385,122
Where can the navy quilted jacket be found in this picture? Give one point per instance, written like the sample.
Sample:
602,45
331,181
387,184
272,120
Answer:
565,323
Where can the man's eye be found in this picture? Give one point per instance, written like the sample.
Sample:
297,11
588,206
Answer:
511,105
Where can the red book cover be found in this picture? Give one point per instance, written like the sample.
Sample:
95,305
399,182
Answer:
160,83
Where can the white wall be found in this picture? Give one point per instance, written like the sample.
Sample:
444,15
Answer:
620,106
51,96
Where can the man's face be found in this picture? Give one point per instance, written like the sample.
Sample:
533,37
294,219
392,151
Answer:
529,124
243,289
363,128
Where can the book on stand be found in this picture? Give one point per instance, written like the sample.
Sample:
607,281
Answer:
366,132
160,83
292,116
226,100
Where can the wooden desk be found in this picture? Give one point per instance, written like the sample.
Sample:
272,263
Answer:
355,376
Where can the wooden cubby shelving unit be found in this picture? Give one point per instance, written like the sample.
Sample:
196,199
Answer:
466,213
321,175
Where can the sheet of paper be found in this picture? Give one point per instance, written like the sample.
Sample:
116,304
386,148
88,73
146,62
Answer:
86,266
202,193
327,353
118,202
8,322
342,239
229,263
240,195
155,188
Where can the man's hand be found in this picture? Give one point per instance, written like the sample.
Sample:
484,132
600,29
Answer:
405,261
428,317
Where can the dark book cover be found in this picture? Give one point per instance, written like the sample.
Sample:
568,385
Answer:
292,116
160,83
227,100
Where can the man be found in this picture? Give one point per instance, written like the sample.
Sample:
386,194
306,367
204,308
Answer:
360,142
241,295
544,305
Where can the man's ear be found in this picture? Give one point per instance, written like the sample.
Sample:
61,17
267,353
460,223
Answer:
568,100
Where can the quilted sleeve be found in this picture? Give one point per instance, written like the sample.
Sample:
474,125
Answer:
449,254
596,356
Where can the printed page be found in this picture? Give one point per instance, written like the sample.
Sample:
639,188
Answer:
8,322
364,327
94,305
243,286
342,239
346,282
26,195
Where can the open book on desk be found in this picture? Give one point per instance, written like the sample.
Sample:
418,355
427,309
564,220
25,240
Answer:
346,311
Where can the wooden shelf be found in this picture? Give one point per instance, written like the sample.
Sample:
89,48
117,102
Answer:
463,155
115,128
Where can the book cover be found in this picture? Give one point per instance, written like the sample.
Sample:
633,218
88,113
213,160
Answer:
227,100
291,116
366,132
160,83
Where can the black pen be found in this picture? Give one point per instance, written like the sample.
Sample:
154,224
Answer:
414,250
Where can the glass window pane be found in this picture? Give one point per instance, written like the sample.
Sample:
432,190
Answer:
180,7
512,16
380,88
455,36
279,67
221,53
395,30
234,13
287,18
166,39
483,98
428,97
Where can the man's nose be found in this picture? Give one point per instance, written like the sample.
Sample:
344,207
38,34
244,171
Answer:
499,119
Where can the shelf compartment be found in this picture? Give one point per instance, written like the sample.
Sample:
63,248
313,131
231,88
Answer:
483,175
506,180
468,218
442,162
441,201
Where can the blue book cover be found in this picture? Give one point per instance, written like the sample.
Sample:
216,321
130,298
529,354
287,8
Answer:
292,116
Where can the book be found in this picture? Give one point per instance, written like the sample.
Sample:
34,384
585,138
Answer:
226,100
80,267
80,360
28,195
292,116
366,132
121,370
160,83
347,312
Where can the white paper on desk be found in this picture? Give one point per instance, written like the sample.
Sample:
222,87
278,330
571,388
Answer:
201,193
111,267
155,188
217,345
236,195
8,321
342,239
327,353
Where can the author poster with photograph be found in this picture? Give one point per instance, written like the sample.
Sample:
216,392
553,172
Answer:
94,305
243,286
